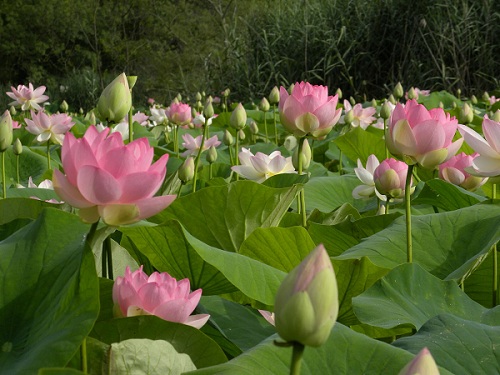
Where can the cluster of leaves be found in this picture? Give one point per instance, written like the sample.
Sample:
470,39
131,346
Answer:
237,240
184,46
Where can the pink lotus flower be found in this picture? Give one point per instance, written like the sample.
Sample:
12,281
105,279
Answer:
27,97
422,136
418,93
309,110
487,164
260,167
16,125
151,101
49,127
454,171
192,145
363,117
105,178
179,113
159,294
422,364
390,178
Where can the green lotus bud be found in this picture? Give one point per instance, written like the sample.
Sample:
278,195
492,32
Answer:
223,106
64,106
198,105
208,110
92,118
392,99
454,105
349,117
211,154
179,97
385,111
6,131
227,138
115,100
12,110
193,112
290,142
412,94
307,303
473,99
80,110
241,134
486,96
264,105
17,147
238,118
441,105
459,93
422,364
186,170
290,88
198,97
496,116
398,91
374,103
253,127
305,155
352,101
339,93
226,93
131,81
274,96
176,101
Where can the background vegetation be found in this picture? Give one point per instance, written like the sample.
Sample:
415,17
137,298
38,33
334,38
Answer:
363,47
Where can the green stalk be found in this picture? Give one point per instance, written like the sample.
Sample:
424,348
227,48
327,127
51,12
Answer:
265,127
341,172
385,143
237,156
48,154
210,171
180,189
130,124
409,245
275,127
4,177
197,160
83,356
302,199
107,249
17,168
495,258
297,353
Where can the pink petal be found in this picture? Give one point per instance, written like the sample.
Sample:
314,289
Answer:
429,136
403,138
177,310
151,206
68,192
491,130
98,186
197,321
137,186
477,142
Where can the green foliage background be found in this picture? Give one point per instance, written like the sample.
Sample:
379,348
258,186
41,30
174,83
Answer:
363,47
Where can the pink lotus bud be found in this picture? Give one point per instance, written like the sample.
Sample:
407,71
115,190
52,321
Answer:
390,178
109,180
179,113
422,136
159,294
422,364
307,302
454,171
308,110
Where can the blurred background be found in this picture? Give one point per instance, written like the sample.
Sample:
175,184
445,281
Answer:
364,47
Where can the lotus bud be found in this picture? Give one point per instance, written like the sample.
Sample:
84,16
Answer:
385,111
186,170
352,101
274,96
339,93
241,134
12,110
422,364
349,117
254,106
496,116
454,105
179,97
398,91
374,103
223,106
252,126
198,97
486,96
238,117
175,101
459,93
290,142
190,125
441,105
465,115
115,100
131,81
198,105
226,93
6,131
17,147
290,88
211,154
64,106
208,110
392,99
264,105
203,95
227,138
193,112
473,99
92,118
305,155
307,303
81,111
412,94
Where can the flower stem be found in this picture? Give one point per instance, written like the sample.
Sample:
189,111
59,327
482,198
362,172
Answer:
200,150
210,171
275,127
495,258
17,168
106,246
176,141
385,143
83,356
130,124
265,127
4,178
48,155
297,353
341,172
409,245
236,154
302,199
